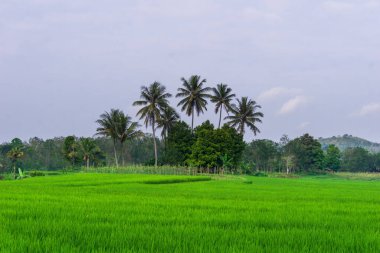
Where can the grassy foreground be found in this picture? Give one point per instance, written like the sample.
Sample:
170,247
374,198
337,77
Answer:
147,213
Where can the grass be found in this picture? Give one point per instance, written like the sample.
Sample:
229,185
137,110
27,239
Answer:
86,212
140,169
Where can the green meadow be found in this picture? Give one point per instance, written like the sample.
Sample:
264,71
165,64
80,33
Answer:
86,212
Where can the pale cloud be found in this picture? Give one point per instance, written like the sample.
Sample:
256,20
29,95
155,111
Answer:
373,108
277,92
293,104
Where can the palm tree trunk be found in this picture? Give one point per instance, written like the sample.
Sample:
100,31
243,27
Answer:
192,121
242,129
220,117
155,144
114,150
122,154
88,163
14,171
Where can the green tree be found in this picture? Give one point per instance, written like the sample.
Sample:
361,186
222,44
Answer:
205,153
14,155
88,150
167,120
108,128
154,100
356,159
126,130
333,158
194,95
71,150
263,153
245,114
307,153
222,97
213,147
179,143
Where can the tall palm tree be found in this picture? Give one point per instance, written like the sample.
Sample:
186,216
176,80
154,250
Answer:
222,96
154,100
107,128
245,113
126,130
194,96
168,117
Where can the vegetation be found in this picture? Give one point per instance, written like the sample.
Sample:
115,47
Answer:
222,97
154,102
194,95
205,148
150,213
245,114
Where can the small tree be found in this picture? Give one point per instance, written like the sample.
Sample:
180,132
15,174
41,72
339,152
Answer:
333,158
88,150
14,155
71,150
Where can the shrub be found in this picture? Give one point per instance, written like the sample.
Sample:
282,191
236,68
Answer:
36,173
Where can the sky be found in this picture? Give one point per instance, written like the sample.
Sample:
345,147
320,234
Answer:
313,66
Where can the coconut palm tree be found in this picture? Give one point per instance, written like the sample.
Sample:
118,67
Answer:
168,117
245,113
194,96
222,96
88,149
126,130
107,128
154,100
119,127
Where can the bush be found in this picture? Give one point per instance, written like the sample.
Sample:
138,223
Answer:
36,173
260,174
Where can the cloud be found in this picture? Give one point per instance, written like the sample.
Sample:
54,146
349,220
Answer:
293,104
373,108
276,92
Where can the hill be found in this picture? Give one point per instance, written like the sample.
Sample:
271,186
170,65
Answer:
349,141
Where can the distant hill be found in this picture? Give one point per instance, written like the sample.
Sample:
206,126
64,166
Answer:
349,141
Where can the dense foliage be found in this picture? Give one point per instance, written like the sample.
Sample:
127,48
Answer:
208,148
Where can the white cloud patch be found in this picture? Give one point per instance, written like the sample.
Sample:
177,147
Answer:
369,109
276,92
293,104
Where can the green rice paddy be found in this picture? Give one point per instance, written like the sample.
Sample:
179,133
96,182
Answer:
155,213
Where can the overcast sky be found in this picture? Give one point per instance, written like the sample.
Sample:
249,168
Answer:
314,66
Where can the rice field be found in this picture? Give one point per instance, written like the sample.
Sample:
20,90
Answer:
86,212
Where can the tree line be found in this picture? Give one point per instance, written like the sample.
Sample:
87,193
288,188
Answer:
119,141
211,149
